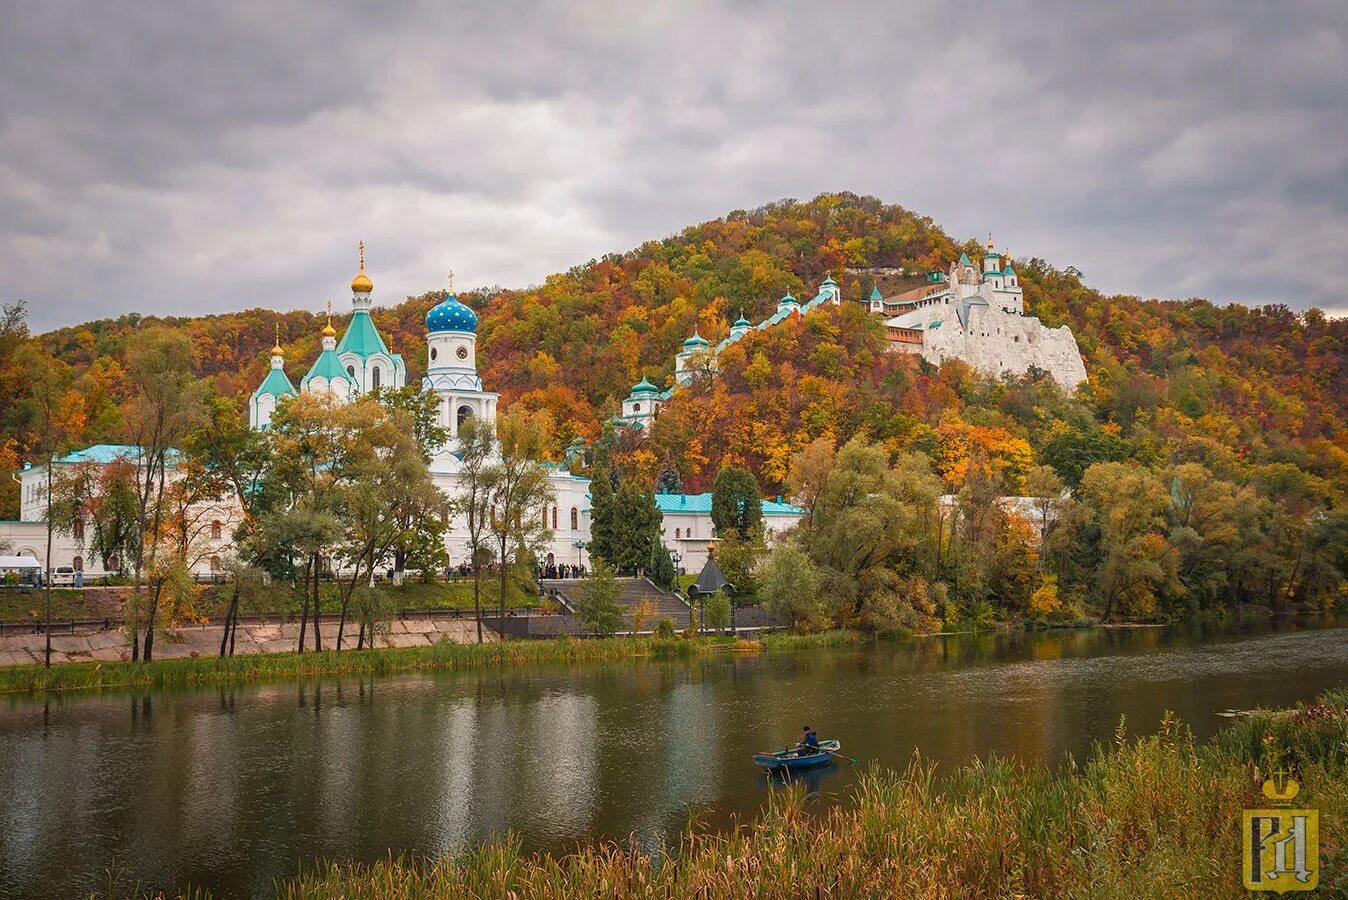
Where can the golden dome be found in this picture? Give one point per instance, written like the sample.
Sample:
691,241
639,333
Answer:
276,350
362,284
328,330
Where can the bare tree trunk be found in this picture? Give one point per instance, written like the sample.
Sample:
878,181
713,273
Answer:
229,618
134,624
51,459
149,621
477,598
318,622
505,573
304,609
346,604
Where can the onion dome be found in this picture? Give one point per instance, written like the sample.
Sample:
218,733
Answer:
643,386
329,331
828,282
788,300
742,322
362,284
451,315
696,340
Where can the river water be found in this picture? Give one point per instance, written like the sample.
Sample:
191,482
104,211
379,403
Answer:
232,788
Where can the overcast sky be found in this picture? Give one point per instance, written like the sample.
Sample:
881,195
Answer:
184,157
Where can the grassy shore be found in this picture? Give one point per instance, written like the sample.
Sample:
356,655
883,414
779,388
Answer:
1153,817
208,670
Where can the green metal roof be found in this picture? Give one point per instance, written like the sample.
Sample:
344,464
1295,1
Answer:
876,295
107,453
277,384
327,366
644,387
701,504
696,340
361,337
964,260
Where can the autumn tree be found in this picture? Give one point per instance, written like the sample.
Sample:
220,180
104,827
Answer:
518,487
475,447
55,418
1127,505
168,402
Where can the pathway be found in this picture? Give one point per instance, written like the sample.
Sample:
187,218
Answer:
26,649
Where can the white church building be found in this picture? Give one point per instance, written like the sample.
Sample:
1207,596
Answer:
361,362
977,314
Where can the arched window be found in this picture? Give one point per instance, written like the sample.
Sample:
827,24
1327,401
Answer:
77,530
351,370
636,407
215,531
575,519
215,564
678,534
374,378
545,517
554,518
464,414
432,354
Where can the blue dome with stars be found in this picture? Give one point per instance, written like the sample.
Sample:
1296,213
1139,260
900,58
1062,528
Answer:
451,315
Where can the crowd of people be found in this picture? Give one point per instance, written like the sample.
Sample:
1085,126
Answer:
560,570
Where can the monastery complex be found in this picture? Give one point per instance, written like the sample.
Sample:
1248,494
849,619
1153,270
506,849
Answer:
973,313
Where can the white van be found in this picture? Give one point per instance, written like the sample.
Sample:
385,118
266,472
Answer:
63,576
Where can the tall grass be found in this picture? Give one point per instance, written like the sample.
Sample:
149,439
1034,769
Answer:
1152,817
445,655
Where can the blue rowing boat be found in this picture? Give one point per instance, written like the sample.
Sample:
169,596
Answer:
797,757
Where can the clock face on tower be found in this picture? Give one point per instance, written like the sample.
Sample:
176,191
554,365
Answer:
461,353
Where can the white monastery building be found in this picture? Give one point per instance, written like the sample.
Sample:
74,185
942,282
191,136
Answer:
978,315
973,313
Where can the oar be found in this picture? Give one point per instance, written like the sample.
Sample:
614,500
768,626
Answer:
850,759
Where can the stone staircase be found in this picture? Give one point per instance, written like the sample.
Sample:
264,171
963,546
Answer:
635,591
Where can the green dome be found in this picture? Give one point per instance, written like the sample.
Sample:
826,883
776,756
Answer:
696,340
644,387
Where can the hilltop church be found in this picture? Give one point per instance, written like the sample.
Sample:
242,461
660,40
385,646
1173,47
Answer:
361,362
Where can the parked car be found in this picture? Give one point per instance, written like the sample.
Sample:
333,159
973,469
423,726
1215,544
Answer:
63,576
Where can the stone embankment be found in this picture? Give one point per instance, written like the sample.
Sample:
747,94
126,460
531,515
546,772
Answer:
28,648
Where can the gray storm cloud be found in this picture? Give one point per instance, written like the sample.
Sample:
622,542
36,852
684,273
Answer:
180,157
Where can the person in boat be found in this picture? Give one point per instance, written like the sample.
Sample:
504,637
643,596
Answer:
809,743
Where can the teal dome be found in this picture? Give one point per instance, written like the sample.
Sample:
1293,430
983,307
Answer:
787,301
696,340
742,322
644,386
451,315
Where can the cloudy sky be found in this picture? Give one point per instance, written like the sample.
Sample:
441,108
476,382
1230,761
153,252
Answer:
170,156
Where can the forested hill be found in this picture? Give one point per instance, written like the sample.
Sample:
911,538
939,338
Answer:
1230,386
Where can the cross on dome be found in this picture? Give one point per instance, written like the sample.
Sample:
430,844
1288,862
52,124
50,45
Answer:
361,284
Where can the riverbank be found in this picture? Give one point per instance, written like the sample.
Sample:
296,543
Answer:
442,655
1158,816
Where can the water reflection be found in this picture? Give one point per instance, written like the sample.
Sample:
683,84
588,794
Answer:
232,787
